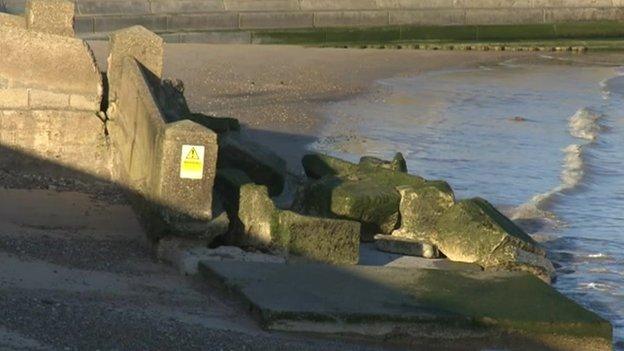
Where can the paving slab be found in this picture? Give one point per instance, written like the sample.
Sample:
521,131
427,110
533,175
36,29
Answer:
416,306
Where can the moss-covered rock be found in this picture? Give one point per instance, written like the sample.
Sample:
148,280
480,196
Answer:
259,163
320,239
474,231
368,196
397,164
420,210
317,166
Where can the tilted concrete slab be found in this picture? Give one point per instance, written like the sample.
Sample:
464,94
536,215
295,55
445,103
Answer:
51,69
435,309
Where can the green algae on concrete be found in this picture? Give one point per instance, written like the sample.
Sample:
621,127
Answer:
317,166
427,308
474,231
367,195
397,164
332,241
420,210
263,225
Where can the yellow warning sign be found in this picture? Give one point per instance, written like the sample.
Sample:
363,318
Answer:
192,162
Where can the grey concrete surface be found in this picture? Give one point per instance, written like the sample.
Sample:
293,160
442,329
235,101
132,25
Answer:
438,308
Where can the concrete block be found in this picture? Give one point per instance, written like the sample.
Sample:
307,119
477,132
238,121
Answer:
275,20
261,5
136,42
186,6
41,99
50,16
8,20
84,24
112,7
504,16
113,23
427,17
47,62
14,98
82,102
234,37
185,188
351,19
208,21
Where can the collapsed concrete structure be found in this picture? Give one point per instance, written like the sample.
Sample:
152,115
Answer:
195,177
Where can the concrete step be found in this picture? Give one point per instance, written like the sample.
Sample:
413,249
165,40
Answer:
436,309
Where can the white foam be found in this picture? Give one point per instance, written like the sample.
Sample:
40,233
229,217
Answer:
584,124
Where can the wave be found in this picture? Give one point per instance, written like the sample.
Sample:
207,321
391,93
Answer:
584,124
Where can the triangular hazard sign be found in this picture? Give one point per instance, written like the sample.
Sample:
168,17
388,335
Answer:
192,155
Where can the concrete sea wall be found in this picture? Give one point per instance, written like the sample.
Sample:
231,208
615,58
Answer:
249,20
150,148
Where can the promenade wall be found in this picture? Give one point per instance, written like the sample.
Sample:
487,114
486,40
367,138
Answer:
249,20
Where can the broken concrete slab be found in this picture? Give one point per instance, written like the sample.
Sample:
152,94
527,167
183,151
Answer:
420,307
50,68
262,165
185,254
50,16
136,42
405,246
474,231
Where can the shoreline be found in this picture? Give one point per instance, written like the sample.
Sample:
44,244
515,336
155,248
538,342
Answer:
278,91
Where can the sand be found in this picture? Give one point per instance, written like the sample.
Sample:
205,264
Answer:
277,91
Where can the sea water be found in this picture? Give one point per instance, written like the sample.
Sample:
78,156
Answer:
543,141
